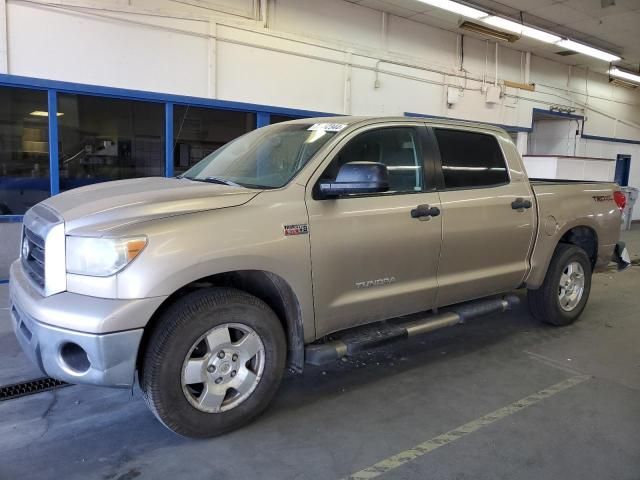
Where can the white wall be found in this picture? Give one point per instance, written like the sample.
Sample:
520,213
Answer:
570,168
308,54
555,137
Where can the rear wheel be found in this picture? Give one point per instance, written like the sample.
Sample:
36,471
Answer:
564,293
213,362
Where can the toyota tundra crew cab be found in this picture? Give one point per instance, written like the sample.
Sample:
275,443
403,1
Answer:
300,242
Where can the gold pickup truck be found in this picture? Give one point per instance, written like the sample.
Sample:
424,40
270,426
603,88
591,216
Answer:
300,242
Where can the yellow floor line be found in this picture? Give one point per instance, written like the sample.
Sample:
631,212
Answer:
401,458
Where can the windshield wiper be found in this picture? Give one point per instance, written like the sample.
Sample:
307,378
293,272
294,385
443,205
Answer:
216,180
224,181
221,181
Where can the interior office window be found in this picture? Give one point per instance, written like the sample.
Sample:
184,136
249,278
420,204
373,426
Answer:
102,139
280,118
470,159
398,148
199,131
24,149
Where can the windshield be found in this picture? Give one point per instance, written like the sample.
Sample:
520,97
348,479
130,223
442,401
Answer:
264,158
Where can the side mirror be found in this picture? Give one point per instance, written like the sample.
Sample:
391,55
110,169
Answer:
357,177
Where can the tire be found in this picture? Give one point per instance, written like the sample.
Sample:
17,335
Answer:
546,304
199,319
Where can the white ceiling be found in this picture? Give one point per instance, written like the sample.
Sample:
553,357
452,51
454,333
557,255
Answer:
615,28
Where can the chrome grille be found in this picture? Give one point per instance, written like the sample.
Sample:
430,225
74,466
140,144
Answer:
45,267
33,262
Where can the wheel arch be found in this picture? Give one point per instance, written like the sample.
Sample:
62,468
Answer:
268,287
583,236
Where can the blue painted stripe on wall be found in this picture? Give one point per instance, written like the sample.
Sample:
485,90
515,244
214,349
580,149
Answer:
70,87
508,128
611,139
558,114
80,88
3,281
11,218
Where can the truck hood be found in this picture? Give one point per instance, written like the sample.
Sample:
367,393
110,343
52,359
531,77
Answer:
106,206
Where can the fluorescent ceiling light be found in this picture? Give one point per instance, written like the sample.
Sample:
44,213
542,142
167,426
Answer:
523,30
539,35
41,113
456,7
520,29
616,72
586,50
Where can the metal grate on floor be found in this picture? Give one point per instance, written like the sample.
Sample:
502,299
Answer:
31,387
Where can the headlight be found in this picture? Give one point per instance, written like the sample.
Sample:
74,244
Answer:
101,257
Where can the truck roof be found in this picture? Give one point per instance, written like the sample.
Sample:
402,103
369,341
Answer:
366,120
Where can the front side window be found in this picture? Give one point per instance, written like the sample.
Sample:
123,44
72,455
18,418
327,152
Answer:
470,159
265,158
398,148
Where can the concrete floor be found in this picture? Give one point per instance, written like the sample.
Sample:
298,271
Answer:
332,422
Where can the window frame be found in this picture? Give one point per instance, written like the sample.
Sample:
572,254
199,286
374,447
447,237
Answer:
438,159
427,148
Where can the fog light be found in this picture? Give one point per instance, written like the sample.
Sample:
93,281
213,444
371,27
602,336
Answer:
74,358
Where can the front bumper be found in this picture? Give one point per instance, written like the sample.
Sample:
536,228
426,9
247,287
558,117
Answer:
91,356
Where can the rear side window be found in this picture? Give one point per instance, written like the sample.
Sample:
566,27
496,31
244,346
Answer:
470,159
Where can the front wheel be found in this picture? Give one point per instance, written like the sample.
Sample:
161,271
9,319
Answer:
213,362
564,293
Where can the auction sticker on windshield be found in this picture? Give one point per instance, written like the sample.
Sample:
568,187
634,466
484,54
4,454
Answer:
328,127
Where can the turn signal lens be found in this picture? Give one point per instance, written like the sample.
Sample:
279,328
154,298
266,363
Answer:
134,247
620,199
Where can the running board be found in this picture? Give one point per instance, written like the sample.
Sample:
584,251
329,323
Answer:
381,333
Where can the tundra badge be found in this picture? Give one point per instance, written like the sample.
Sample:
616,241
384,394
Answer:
379,282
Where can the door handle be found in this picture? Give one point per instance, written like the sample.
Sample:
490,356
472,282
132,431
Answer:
425,211
520,204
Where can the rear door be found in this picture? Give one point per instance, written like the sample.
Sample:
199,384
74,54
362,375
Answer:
370,259
485,239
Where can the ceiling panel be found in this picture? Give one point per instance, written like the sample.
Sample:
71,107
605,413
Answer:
615,28
387,7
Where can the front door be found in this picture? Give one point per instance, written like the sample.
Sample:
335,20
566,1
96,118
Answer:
372,260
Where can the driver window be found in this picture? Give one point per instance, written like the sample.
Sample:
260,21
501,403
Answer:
398,148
